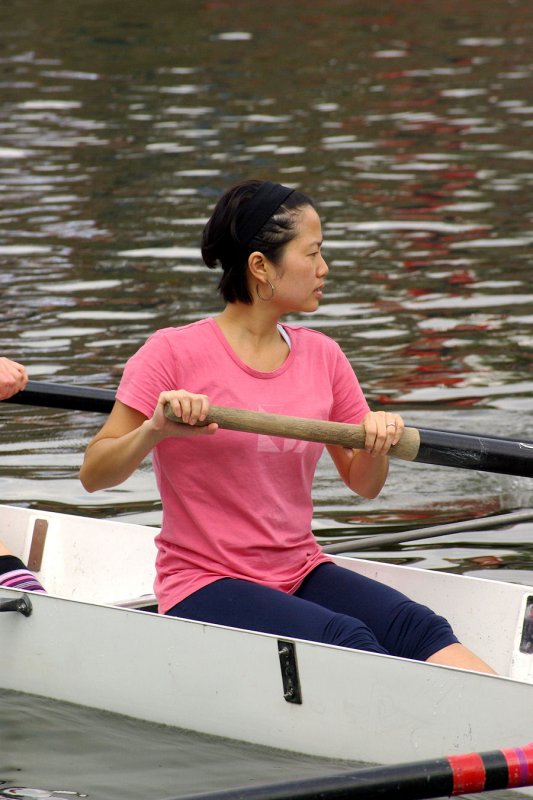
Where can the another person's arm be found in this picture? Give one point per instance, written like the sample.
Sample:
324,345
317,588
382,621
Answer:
13,378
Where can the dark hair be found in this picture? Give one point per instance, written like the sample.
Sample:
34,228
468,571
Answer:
221,245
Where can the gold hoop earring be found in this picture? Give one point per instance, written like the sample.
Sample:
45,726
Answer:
265,299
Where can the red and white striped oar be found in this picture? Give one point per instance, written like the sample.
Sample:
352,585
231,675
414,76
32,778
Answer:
508,768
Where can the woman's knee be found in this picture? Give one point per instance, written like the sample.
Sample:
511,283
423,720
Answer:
417,632
400,625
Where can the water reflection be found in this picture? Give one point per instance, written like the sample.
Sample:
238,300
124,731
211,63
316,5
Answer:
410,130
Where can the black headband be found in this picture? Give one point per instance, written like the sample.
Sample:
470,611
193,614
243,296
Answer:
260,208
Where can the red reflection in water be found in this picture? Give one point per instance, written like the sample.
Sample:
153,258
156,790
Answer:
434,364
413,518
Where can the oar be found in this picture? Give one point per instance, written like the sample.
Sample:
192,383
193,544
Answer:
63,395
377,540
422,445
441,777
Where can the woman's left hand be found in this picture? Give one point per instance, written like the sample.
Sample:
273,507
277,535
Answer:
382,430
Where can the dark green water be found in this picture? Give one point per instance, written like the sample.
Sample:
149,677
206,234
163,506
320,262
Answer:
410,124
61,747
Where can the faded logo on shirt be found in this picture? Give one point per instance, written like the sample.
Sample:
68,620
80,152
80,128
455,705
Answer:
276,444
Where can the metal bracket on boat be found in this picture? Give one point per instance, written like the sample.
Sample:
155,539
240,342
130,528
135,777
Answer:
526,642
289,672
21,604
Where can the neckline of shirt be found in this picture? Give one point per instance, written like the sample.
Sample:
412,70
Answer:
245,367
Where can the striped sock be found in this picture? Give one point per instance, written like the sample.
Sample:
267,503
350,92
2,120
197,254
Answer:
15,575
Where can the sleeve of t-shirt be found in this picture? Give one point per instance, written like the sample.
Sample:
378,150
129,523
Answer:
349,402
150,371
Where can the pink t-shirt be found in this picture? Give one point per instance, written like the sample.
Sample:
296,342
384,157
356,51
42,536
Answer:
238,504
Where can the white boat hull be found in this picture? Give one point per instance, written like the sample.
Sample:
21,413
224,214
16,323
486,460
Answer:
228,682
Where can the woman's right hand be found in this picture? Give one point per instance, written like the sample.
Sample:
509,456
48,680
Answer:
190,408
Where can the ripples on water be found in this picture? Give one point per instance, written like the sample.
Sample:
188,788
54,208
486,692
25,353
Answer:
411,130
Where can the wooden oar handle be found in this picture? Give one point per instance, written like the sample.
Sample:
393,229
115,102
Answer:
309,430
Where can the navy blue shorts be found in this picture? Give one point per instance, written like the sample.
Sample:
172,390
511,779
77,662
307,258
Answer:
333,605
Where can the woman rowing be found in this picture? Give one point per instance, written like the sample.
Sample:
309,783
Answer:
236,546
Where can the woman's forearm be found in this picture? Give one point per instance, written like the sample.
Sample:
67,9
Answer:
111,460
367,474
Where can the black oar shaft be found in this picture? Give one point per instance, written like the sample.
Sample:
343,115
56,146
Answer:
443,777
63,395
469,451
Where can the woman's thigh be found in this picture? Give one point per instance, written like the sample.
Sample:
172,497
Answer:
242,604
401,626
